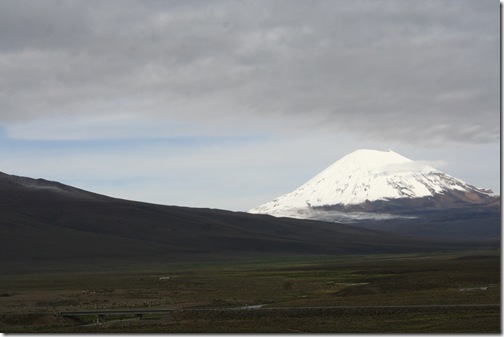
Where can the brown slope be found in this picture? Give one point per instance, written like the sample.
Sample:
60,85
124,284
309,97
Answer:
48,221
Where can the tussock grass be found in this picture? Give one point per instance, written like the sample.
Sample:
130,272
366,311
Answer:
292,282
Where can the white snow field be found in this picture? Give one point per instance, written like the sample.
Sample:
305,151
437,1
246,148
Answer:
364,175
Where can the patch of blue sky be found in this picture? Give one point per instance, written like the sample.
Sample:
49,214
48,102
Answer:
177,142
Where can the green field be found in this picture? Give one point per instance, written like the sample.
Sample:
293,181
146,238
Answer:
374,293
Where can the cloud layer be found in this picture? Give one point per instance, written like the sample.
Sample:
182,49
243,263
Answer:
419,72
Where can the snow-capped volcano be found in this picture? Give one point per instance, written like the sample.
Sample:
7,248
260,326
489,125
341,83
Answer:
367,177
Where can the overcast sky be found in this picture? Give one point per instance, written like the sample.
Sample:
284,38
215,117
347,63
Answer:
229,104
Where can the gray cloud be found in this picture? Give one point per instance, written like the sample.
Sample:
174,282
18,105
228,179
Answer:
420,72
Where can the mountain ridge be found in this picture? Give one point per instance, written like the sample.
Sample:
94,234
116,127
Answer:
42,226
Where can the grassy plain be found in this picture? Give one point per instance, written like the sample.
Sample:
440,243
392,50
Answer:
332,294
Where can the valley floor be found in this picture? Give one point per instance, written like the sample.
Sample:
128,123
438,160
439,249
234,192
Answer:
436,293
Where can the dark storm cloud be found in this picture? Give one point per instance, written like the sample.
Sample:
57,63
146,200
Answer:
418,71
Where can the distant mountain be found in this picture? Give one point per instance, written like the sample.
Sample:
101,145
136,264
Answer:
45,223
369,184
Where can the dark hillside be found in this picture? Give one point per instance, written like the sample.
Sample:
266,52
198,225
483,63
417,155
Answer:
48,222
469,223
